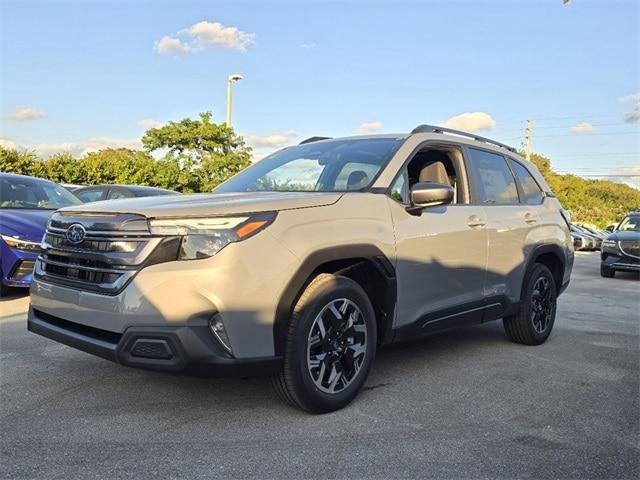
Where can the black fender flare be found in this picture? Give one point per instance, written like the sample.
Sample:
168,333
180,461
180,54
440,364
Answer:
539,250
304,275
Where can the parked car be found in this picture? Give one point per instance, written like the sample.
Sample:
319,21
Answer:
96,193
621,249
303,264
579,242
590,241
597,237
26,203
598,233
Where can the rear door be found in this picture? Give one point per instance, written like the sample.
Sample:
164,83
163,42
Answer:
508,223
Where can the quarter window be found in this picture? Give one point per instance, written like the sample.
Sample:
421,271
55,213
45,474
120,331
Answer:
530,188
399,189
497,185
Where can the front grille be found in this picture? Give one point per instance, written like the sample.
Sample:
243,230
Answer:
58,240
114,249
22,269
630,247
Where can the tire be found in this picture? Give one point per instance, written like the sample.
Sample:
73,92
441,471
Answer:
607,272
340,308
533,323
4,290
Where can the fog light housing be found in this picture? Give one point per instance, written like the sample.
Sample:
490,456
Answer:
217,329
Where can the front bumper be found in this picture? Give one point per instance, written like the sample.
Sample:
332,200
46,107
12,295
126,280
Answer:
617,260
16,266
188,349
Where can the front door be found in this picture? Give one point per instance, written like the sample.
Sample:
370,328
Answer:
441,259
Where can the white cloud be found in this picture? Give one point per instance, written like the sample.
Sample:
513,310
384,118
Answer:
274,140
628,175
369,127
471,122
583,127
634,97
171,46
633,115
7,143
82,147
148,123
26,113
204,35
308,45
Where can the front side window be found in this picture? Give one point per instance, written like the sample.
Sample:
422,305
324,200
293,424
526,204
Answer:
496,183
327,166
114,194
33,194
630,223
530,188
90,195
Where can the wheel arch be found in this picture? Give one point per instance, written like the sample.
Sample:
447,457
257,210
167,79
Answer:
366,264
552,257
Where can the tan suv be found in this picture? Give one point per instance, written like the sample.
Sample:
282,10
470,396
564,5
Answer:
306,262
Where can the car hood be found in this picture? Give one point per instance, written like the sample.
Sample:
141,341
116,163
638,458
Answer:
623,236
22,223
209,204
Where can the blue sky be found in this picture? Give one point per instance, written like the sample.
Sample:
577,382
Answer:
79,75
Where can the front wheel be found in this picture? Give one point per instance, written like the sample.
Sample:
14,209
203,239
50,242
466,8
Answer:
533,323
330,345
607,272
4,290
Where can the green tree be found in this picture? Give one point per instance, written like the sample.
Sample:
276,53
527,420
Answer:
118,165
16,161
211,152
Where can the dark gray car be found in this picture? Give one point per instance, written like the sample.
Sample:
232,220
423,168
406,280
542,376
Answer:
97,193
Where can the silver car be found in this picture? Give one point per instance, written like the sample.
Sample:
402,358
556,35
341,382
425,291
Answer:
302,265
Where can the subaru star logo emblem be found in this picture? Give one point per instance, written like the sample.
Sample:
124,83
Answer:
75,233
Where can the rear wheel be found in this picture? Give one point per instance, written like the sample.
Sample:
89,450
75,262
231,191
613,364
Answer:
607,272
533,323
330,345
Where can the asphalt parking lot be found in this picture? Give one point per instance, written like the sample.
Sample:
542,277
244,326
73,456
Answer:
462,404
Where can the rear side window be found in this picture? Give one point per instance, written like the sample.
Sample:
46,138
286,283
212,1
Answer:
496,183
530,188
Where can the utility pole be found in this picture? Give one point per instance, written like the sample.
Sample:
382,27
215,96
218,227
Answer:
526,144
232,78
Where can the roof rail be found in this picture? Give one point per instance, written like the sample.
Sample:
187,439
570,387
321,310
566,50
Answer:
313,139
434,129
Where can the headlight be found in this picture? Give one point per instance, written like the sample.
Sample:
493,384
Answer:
19,244
204,237
610,243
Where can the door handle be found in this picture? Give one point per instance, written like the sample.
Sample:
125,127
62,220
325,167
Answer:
474,221
530,218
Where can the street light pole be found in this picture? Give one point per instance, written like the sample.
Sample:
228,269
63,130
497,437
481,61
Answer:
232,78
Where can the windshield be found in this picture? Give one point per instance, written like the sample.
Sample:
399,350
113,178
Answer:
328,166
629,223
31,193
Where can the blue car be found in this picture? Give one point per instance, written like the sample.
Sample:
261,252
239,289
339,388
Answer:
26,203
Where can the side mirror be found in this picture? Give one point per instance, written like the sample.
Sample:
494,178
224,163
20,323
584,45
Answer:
430,195
610,228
